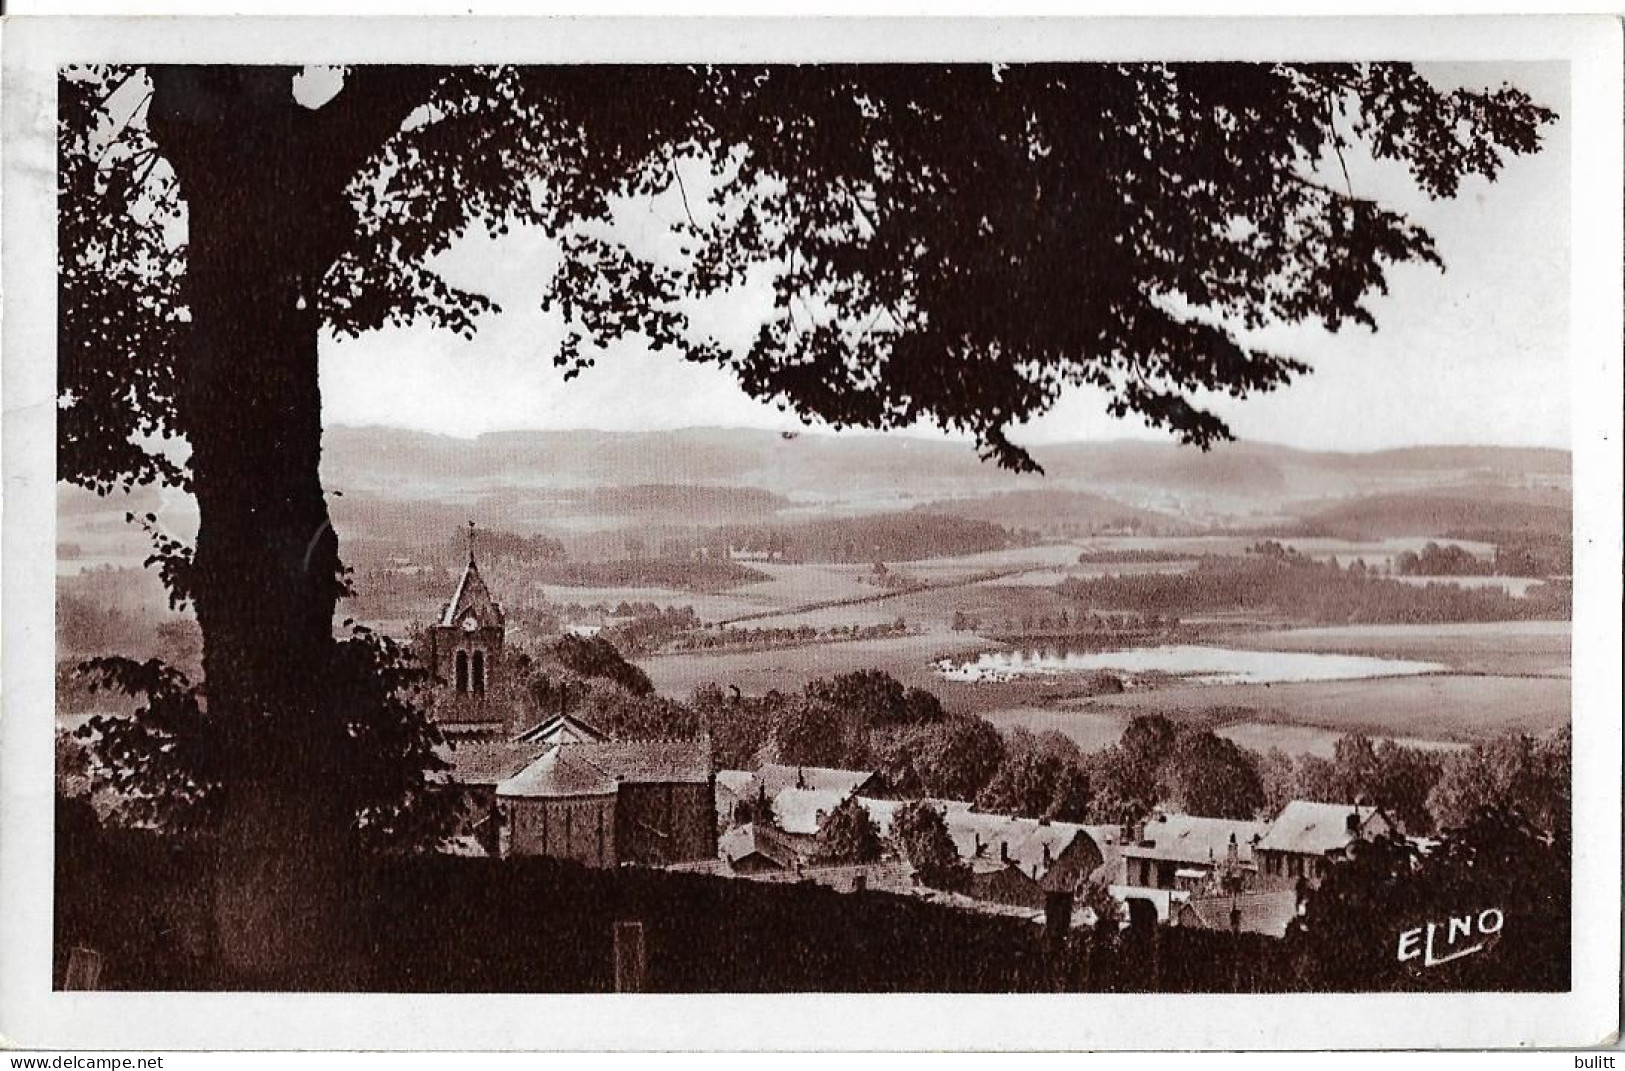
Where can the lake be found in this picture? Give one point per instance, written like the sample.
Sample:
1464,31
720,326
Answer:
1192,663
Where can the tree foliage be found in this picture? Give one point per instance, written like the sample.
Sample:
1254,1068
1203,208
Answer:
849,835
953,758
1128,216
1210,776
1515,773
596,657
169,762
1349,936
1039,777
921,836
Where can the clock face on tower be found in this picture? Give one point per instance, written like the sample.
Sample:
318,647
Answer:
469,624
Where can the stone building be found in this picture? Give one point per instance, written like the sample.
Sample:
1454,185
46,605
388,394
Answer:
613,801
1304,841
562,807
1192,853
465,648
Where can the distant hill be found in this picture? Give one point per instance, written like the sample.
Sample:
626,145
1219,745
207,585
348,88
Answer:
1531,511
893,470
1054,511
602,492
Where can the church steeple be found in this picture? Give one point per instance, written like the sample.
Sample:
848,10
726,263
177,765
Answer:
472,600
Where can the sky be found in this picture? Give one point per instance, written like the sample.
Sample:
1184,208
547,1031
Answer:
1477,354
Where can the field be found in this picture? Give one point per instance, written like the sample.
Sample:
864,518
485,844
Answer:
1444,707
1502,648
754,672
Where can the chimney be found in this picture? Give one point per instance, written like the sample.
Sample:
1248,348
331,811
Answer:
1046,857
1353,822
801,778
1232,853
1004,851
860,882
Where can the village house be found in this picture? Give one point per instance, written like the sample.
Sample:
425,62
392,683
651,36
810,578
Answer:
754,848
1191,853
1307,838
763,785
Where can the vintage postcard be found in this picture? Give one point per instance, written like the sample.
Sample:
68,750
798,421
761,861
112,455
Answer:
758,535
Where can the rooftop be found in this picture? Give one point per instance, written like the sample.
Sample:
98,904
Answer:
559,774
471,597
1309,828
750,839
742,783
802,810
562,729
487,761
658,762
1185,838
1261,912
776,777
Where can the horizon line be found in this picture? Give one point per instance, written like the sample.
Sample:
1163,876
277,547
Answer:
949,439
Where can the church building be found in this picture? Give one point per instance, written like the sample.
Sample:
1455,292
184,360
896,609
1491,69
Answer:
561,787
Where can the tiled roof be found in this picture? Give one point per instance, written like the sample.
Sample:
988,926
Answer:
658,762
1261,912
486,762
1055,836
776,777
976,834
1185,838
1313,828
559,774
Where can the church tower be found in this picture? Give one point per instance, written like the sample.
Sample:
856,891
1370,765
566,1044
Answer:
465,649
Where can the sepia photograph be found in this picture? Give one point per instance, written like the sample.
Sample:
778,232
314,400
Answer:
1090,527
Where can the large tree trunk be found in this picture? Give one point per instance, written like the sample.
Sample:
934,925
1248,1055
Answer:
263,226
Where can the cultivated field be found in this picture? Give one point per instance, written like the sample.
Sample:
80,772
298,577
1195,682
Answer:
1445,707
1501,648
908,658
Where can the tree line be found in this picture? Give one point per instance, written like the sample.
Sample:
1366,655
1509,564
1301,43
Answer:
1278,581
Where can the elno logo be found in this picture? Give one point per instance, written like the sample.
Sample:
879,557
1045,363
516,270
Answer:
1454,938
